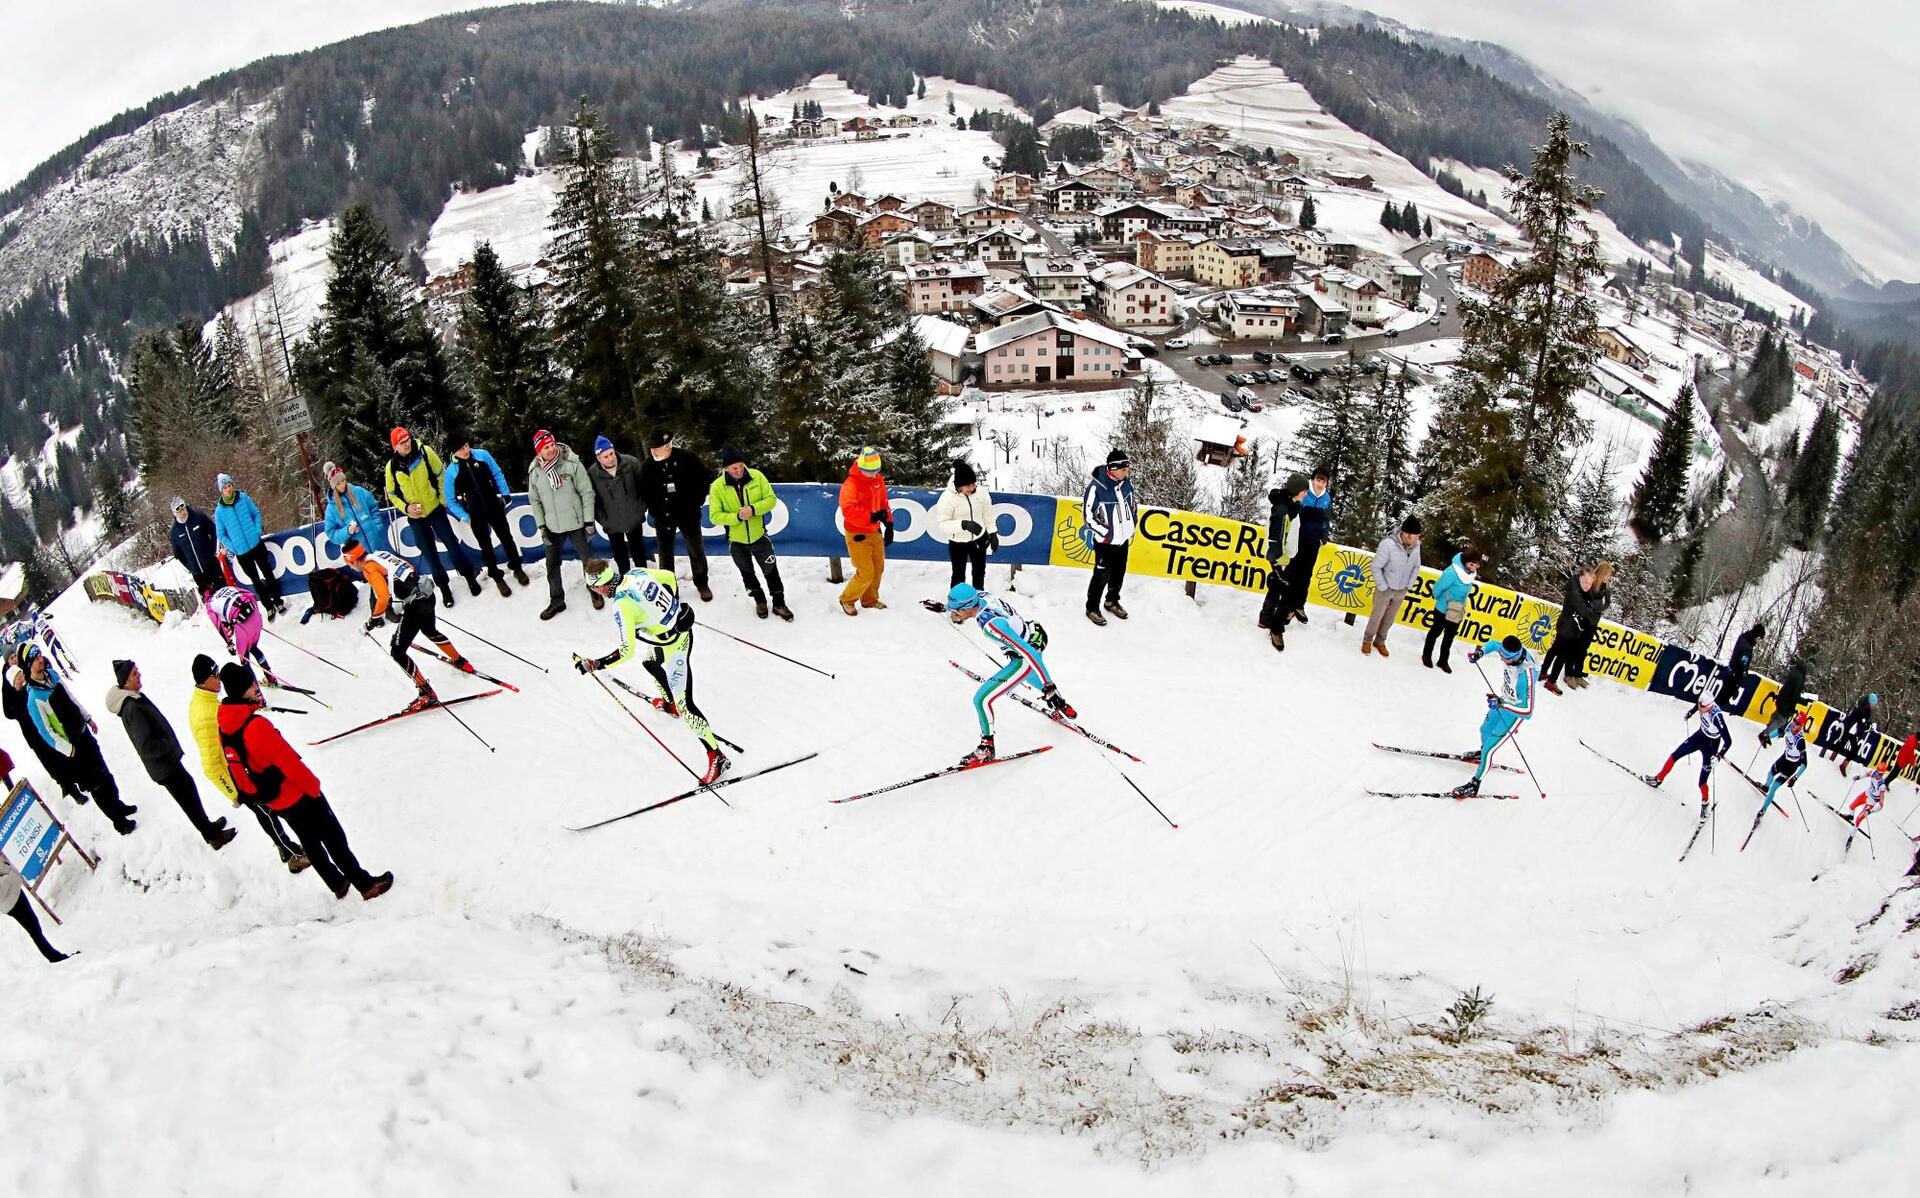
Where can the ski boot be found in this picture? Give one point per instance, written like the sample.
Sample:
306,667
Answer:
981,755
461,664
1057,703
717,763
1466,790
425,699
664,705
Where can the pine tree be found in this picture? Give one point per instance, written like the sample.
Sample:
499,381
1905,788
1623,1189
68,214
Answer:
1164,474
1426,229
1661,495
112,503
1378,483
1810,486
1309,217
1592,528
1410,220
503,360
1334,439
920,92
593,227
1494,469
1024,154
1389,216
798,433
950,109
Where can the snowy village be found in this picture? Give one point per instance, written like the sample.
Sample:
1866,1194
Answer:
1235,560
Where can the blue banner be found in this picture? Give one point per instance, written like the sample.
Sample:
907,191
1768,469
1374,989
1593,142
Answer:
806,523
1685,675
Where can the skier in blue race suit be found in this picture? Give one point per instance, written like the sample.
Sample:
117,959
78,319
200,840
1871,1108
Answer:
1505,710
1022,641
1710,739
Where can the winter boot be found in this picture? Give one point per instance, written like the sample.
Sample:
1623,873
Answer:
717,763
446,595
553,609
473,585
1366,648
1278,639
760,607
377,887
1553,686
849,608
982,753
297,863
1094,615
780,609
343,889
1466,790
706,595
598,602
1380,647
125,826
1058,703
520,576
218,838
1444,667
1300,614
500,581
1113,606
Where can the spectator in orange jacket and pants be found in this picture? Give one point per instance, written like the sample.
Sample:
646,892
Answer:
868,515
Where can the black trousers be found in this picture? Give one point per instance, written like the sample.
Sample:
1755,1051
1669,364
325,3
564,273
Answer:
259,567
696,548
416,619
313,821
968,557
761,551
1300,575
284,841
180,785
1443,631
90,774
1109,571
1274,609
555,542
438,525
487,527
22,912
1559,655
629,548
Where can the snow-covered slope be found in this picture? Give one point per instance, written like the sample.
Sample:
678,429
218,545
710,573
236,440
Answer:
192,167
1022,975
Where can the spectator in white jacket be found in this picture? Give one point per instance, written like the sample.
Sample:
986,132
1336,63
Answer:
1396,567
965,515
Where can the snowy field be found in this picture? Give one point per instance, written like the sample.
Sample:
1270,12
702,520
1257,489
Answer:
1219,12
1750,284
1021,977
1616,247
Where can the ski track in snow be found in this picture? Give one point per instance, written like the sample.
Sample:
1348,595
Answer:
919,982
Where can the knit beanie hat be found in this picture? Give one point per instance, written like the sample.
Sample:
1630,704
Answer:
178,504
1411,526
1117,460
203,669
122,669
541,440
963,474
331,471
1296,483
869,459
222,482
235,678
601,444
730,455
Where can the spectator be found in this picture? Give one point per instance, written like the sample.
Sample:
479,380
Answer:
13,900
741,500
159,749
1450,594
14,696
675,483
413,485
562,500
1396,567
1786,701
353,514
1600,596
1110,512
1283,542
69,732
620,503
269,773
476,493
964,512
203,721
196,546
1580,605
867,514
1740,661
1316,522
236,521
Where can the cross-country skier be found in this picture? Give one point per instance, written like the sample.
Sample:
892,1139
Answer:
236,615
1871,799
1792,762
1507,709
396,584
648,610
1022,640
1710,739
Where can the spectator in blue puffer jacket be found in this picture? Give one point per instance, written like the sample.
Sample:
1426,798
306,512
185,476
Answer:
236,521
476,492
1316,525
353,514
1450,594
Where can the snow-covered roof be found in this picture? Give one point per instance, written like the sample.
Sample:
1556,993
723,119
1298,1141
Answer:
1007,297
942,336
1121,275
1041,322
1218,429
919,271
1053,268
1072,116
13,581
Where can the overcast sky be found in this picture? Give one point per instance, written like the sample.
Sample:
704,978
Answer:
1814,103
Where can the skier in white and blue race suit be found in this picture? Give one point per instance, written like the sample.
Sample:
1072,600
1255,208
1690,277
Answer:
1505,709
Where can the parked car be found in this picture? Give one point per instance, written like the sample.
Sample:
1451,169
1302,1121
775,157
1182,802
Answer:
1245,396
1262,356
1145,346
1294,395
1273,376
1179,342
1303,373
1371,366
1223,359
1334,338
1393,334
1231,401
1434,319
1254,405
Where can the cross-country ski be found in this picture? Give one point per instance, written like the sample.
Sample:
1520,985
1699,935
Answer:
962,768
1471,758
416,708
729,780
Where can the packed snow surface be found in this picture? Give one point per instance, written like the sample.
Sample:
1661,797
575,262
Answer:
1021,976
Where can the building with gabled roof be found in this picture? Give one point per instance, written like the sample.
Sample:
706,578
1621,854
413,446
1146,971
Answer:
1048,347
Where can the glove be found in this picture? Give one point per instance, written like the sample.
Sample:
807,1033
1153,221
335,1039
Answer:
374,622
970,526
1473,656
586,665
859,536
887,539
1493,701
880,515
993,542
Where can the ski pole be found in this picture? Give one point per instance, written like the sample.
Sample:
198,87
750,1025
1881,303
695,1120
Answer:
1141,793
595,675
310,653
287,710
489,644
622,684
749,644
469,727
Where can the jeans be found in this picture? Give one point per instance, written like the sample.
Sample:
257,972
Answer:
869,557
313,821
665,533
487,526
1443,630
555,540
437,524
259,567
629,548
761,551
1386,609
968,557
1109,571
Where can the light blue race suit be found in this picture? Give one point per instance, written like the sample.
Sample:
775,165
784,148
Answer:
1010,633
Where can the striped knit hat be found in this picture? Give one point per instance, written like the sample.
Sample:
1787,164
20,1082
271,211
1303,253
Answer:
869,459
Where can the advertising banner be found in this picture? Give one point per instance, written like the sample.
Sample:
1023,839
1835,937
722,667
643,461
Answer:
28,832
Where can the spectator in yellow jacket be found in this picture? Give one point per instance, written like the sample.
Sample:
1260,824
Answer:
203,720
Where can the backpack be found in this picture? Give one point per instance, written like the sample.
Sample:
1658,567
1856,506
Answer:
333,592
265,783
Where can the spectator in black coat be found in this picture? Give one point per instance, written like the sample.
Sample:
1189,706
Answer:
1580,606
196,546
13,900
1598,596
675,483
619,503
1316,526
1792,687
159,749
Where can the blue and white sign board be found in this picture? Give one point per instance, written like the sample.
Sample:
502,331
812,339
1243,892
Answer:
28,833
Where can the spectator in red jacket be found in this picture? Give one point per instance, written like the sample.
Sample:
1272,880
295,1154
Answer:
868,515
267,771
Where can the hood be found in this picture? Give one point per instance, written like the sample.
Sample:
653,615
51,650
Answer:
118,697
1457,565
232,715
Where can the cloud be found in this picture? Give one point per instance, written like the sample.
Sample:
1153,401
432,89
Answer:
1808,103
